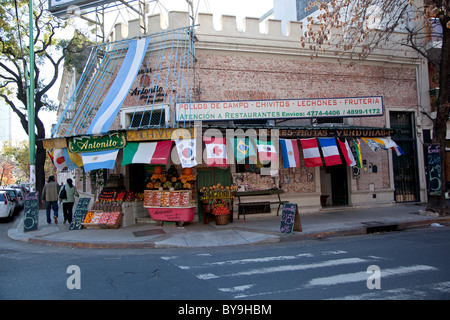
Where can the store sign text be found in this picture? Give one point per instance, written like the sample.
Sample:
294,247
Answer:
111,141
280,109
332,132
155,93
161,134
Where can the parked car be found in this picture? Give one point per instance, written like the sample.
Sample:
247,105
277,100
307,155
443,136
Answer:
23,188
20,198
6,205
13,197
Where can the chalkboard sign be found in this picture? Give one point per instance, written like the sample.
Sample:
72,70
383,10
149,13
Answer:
79,214
290,219
434,170
31,212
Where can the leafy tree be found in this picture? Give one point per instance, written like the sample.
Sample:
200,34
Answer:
50,54
19,155
361,27
6,171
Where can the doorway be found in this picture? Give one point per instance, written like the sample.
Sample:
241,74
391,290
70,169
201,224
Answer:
405,166
334,185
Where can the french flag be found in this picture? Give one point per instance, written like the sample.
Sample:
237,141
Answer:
347,152
330,151
289,150
311,152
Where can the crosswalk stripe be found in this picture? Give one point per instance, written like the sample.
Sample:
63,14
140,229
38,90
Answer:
284,268
411,293
237,288
245,261
362,276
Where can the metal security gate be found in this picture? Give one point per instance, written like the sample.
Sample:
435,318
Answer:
406,180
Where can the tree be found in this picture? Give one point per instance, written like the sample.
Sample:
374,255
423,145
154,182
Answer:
50,54
19,155
364,26
6,171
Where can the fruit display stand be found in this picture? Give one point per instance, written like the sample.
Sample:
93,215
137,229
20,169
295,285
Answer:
97,219
174,206
129,203
169,197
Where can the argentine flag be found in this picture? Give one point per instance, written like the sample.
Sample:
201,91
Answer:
99,159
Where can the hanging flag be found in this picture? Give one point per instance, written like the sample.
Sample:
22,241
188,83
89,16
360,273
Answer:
390,144
216,153
289,150
358,158
107,112
147,152
243,148
50,154
383,143
69,163
99,159
74,157
311,152
330,151
266,151
186,152
347,153
58,159
374,143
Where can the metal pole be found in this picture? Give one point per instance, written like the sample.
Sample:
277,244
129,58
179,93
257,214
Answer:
31,123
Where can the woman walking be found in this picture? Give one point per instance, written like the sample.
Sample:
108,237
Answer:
68,200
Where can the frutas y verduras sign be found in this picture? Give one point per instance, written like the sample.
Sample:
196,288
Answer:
280,109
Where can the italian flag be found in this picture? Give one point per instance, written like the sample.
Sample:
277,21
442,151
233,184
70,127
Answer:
147,152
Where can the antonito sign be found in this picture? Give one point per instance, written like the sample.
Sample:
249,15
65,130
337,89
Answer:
116,140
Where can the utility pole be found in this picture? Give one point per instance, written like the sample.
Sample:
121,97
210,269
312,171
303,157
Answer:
31,124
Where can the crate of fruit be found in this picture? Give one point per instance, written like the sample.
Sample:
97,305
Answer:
92,220
114,220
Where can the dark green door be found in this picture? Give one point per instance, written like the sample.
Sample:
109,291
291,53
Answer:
210,176
406,181
339,187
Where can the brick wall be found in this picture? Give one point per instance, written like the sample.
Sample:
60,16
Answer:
242,77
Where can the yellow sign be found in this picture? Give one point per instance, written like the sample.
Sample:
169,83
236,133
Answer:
161,134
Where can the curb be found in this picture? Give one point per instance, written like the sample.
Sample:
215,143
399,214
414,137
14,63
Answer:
93,245
399,226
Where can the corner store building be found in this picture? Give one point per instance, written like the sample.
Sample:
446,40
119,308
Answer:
234,65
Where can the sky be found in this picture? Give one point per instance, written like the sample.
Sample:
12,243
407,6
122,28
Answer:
249,8
238,8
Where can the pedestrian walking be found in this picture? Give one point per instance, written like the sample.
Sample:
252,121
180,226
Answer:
50,198
68,199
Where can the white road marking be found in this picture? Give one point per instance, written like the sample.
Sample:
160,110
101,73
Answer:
362,276
237,288
245,261
284,268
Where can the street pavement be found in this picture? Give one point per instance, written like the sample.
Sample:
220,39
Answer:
256,229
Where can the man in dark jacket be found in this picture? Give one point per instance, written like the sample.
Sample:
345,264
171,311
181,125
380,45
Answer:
50,197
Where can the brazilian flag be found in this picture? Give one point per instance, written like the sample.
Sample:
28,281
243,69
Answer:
245,148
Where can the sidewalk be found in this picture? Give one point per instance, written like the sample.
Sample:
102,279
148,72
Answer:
256,229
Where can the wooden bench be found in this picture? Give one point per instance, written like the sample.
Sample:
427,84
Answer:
243,206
